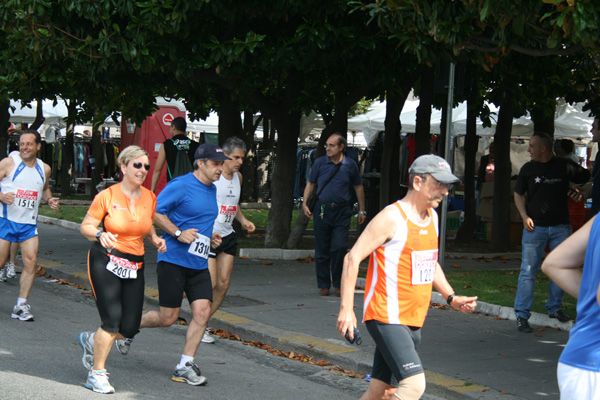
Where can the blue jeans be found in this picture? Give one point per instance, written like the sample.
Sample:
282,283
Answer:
331,243
534,244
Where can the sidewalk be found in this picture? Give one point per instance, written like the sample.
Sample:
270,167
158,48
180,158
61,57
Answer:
475,356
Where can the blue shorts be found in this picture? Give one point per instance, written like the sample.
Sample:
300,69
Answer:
15,232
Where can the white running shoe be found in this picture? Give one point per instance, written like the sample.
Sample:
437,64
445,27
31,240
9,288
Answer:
98,382
189,374
11,272
88,351
3,274
22,312
206,338
123,345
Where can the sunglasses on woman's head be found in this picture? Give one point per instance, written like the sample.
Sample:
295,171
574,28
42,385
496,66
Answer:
138,165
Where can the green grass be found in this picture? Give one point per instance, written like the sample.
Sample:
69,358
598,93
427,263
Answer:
500,287
69,213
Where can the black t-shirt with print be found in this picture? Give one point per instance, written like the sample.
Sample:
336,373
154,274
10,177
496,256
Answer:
545,186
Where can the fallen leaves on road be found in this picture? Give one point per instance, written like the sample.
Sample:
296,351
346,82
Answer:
292,355
266,262
305,260
49,252
456,266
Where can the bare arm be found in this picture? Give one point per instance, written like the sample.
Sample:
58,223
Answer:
6,165
53,202
441,284
360,196
240,217
520,204
377,232
563,264
89,229
160,163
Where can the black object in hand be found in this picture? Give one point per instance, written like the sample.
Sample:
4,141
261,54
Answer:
357,339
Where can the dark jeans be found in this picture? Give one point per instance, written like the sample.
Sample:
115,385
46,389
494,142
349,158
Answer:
331,243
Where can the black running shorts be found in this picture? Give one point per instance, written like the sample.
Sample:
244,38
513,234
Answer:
396,355
174,280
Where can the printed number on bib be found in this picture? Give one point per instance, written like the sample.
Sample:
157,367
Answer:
26,198
122,267
226,214
200,247
423,266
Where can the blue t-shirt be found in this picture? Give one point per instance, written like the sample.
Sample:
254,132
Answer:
338,190
188,203
583,348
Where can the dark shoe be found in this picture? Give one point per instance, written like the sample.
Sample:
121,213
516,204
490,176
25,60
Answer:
560,315
324,292
337,291
523,325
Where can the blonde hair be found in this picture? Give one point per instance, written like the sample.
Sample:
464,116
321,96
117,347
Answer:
129,153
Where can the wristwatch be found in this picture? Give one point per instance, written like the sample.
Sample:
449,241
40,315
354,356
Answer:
450,298
362,213
98,234
177,233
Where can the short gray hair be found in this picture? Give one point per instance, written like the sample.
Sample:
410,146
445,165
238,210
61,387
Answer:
233,143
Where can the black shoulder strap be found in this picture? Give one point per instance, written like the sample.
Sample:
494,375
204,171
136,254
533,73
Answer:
337,168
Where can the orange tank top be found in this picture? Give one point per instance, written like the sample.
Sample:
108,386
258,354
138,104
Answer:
400,274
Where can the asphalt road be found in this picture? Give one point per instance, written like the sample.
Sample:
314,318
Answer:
42,359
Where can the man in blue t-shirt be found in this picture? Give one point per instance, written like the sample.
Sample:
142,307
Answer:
334,176
186,211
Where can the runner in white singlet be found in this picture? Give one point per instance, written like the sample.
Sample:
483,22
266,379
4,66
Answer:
23,186
220,263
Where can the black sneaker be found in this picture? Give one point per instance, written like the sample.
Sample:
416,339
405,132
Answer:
523,325
560,315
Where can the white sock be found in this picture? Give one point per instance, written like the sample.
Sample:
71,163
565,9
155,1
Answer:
21,300
184,359
91,339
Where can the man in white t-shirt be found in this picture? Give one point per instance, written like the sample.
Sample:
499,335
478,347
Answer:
220,262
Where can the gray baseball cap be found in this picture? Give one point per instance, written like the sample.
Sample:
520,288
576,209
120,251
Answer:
434,166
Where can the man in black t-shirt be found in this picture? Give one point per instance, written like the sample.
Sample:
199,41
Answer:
168,151
541,197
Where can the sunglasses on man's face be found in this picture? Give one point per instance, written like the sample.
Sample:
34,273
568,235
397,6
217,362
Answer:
138,165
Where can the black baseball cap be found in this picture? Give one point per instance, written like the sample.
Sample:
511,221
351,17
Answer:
210,151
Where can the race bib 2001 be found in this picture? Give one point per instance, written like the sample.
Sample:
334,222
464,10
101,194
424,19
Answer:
122,267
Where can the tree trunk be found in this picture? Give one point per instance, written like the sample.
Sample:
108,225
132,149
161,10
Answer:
67,153
502,193
466,230
249,167
389,187
39,115
230,121
4,125
282,185
423,130
98,156
543,121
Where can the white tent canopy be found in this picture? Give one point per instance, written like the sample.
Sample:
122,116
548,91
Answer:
56,115
570,121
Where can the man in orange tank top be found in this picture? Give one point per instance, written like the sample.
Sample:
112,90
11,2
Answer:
403,243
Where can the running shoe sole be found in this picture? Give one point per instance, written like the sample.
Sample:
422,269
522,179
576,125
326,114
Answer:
88,355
